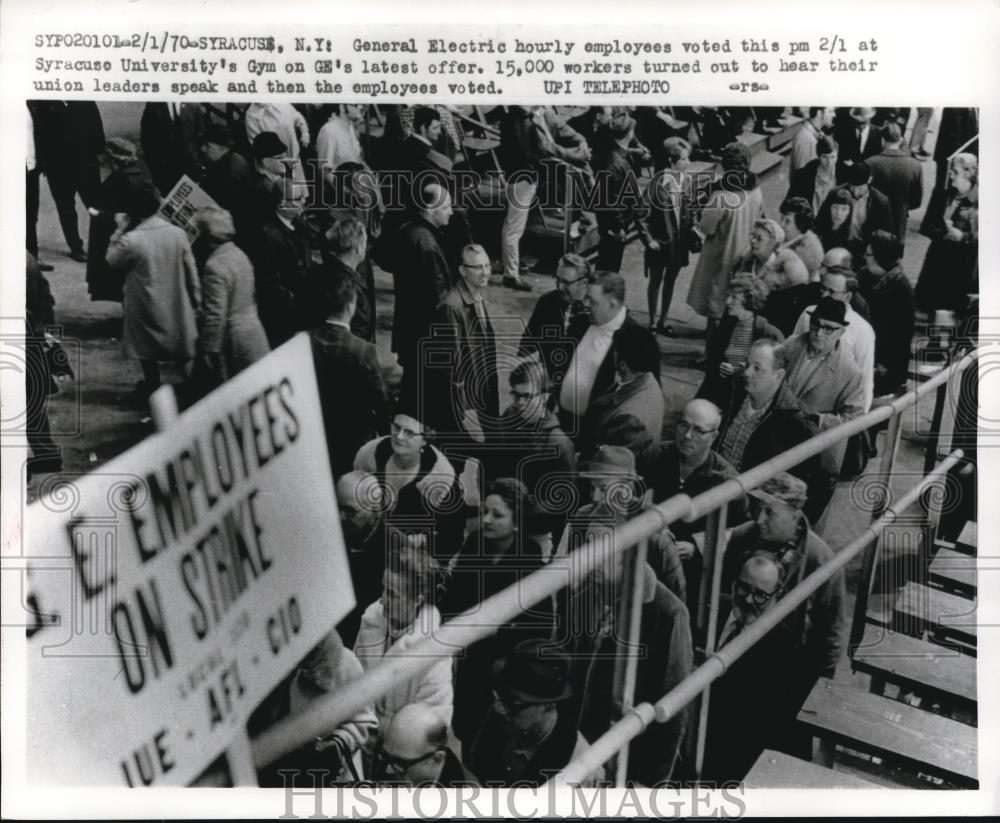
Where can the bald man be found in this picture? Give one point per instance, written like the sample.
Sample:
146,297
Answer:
361,503
691,466
752,711
415,752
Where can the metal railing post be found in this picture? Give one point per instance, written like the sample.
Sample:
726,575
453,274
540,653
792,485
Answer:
626,669
715,547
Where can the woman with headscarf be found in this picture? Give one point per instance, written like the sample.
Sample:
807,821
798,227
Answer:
231,335
128,174
162,292
735,204
950,271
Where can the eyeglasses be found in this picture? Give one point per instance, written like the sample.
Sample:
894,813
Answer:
828,329
825,290
684,426
385,762
565,284
475,266
744,590
402,431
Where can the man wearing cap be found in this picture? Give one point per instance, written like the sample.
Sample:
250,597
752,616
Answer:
780,528
592,630
827,383
281,119
228,179
414,752
688,465
858,339
870,209
274,163
530,733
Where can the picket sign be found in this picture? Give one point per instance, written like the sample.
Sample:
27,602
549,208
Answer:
177,586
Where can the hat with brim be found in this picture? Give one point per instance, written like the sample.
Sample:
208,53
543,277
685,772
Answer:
833,311
782,488
534,672
611,461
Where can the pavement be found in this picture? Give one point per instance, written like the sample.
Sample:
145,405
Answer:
95,419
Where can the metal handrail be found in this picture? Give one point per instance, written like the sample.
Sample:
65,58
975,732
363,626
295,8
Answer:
643,715
326,713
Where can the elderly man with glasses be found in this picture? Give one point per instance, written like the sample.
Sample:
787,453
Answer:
858,338
687,465
827,382
415,752
781,530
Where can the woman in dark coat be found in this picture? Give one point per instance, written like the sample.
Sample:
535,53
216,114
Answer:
495,555
950,270
729,346
129,174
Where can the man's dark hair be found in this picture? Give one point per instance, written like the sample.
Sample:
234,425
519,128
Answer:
577,262
339,290
637,348
530,372
814,110
801,210
424,116
891,132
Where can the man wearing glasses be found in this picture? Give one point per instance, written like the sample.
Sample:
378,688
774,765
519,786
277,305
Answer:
688,465
858,338
827,383
415,752
462,324
559,318
781,530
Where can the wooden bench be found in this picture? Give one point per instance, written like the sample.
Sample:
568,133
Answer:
954,571
968,540
776,770
938,672
922,609
925,743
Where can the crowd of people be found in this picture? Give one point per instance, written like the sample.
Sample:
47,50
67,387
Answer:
472,474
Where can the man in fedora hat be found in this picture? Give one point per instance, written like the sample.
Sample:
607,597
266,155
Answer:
593,626
530,732
827,383
781,529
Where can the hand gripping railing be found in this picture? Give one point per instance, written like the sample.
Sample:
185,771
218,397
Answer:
324,715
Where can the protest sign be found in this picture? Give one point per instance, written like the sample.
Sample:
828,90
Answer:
183,203
180,584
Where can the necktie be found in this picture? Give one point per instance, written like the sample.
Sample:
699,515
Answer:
480,310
